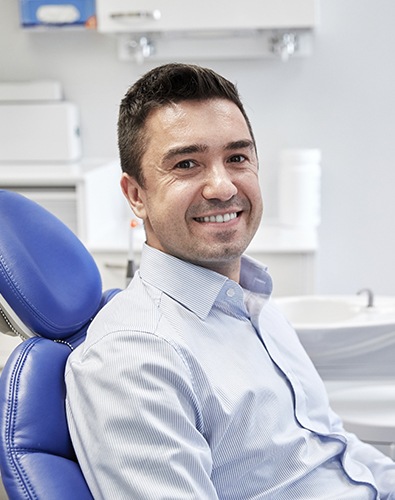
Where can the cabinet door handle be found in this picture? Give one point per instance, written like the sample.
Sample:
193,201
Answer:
112,265
137,15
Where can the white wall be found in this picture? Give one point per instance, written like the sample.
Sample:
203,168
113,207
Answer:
340,100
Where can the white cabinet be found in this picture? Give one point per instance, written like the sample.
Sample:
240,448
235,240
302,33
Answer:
86,196
113,266
185,30
149,16
293,273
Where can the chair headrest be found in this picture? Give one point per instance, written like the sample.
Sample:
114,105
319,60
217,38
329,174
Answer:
47,276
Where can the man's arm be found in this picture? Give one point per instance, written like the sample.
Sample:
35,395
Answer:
135,421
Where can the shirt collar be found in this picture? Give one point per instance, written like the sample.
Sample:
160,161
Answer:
196,287
254,277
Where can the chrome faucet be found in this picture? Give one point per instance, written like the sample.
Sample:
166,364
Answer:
369,294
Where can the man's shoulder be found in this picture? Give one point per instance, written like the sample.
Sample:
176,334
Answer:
136,308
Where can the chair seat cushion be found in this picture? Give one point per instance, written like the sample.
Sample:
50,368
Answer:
40,461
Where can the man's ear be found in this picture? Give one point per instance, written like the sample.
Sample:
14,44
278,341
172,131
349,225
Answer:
133,192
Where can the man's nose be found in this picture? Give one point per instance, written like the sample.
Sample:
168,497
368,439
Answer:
219,184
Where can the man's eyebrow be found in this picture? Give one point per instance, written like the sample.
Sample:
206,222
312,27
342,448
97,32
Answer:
241,144
184,150
201,148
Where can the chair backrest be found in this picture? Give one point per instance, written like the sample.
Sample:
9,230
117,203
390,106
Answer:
50,290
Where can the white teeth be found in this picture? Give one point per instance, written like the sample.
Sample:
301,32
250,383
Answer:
218,218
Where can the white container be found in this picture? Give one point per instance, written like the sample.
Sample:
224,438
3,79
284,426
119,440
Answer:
36,131
300,188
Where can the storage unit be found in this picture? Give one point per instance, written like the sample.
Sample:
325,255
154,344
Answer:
39,131
150,16
186,30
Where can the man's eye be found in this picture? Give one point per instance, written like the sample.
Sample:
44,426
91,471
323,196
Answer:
185,164
237,158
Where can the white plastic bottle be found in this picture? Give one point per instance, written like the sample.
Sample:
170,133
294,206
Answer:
300,188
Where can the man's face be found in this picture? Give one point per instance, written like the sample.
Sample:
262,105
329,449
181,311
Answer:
201,200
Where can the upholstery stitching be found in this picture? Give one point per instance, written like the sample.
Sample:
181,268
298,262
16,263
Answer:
12,410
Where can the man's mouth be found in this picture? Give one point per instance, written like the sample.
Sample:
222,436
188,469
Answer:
217,218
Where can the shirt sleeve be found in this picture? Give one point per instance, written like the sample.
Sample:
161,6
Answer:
135,421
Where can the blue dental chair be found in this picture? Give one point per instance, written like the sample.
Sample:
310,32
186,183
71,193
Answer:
50,289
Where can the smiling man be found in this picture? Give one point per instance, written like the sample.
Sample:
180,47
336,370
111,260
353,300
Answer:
200,198
191,384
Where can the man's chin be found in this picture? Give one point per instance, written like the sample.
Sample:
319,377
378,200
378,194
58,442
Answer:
218,253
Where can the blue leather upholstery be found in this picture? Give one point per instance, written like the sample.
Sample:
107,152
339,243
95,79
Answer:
46,274
50,289
37,457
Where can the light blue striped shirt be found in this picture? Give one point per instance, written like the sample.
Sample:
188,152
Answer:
191,386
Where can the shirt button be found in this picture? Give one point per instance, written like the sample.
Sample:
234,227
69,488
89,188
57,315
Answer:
230,292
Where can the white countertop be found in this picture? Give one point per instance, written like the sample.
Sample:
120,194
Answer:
47,173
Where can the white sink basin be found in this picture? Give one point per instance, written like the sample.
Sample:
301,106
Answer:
368,410
318,312
342,335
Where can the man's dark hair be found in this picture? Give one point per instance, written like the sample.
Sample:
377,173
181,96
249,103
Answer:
170,83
